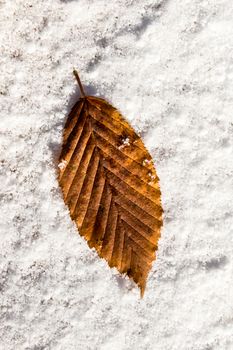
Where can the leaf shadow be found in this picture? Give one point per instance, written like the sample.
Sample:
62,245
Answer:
74,97
125,283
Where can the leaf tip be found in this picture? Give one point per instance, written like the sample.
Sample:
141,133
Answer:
142,291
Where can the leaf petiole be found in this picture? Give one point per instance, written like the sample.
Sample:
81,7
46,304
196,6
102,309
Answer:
79,83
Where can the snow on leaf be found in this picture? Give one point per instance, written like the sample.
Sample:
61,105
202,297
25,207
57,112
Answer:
62,164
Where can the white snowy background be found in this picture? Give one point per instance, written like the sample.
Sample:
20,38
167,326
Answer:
167,65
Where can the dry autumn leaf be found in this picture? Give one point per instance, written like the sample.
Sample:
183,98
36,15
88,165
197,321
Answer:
111,187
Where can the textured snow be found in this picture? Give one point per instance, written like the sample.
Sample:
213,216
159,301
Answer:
168,66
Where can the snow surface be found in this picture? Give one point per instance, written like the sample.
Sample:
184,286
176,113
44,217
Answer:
168,66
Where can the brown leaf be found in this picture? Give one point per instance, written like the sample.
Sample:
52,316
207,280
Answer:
110,185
